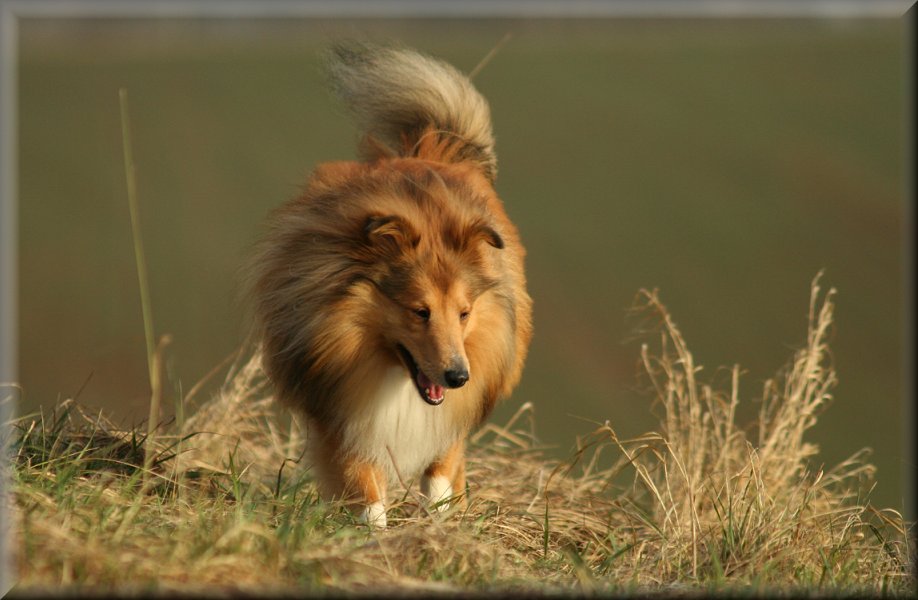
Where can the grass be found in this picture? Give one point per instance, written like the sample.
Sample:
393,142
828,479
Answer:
699,505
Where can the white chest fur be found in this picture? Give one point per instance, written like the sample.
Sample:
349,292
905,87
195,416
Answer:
398,419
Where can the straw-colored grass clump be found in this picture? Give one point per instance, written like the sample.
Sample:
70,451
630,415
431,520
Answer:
227,501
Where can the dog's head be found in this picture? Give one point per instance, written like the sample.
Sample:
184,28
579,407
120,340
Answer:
432,262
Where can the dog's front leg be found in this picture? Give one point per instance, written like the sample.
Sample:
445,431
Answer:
370,485
445,478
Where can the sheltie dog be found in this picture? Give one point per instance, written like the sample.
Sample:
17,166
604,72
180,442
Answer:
390,300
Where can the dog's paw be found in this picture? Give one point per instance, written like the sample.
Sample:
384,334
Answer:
374,515
435,490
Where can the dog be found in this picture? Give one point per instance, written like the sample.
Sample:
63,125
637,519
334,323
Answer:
389,298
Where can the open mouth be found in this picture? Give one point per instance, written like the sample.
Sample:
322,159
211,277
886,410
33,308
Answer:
430,392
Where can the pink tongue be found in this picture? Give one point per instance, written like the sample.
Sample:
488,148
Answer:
434,391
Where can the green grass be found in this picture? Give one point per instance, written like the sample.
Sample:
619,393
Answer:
700,504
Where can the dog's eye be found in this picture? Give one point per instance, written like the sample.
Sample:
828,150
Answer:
422,313
464,315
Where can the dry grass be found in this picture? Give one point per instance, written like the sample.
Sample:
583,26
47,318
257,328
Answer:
699,505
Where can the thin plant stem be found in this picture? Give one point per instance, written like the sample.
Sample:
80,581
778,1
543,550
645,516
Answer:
143,280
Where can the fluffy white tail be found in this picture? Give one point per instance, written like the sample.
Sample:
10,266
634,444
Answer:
404,102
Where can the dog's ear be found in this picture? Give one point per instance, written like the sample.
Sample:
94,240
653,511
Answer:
486,233
391,232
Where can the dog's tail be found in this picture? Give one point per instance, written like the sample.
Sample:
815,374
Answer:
408,104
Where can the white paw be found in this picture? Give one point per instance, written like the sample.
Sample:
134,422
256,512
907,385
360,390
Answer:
374,515
436,490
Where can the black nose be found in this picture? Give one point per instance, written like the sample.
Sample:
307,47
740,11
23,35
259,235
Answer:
456,377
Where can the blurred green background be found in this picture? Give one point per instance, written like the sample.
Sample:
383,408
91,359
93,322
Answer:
724,162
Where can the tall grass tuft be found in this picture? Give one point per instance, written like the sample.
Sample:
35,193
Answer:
720,505
700,504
